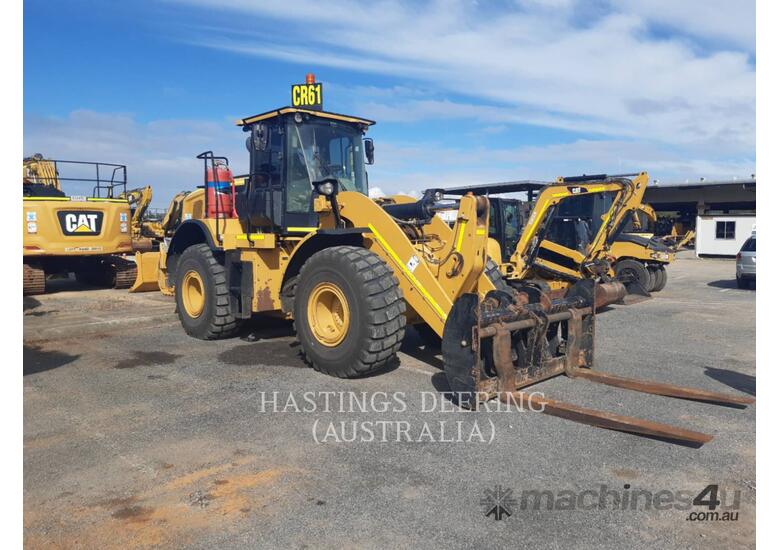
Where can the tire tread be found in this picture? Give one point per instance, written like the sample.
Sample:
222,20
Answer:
223,323
386,314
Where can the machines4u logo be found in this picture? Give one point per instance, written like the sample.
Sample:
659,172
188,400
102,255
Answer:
498,502
80,222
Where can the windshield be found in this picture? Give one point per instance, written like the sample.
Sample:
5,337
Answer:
637,221
578,218
324,149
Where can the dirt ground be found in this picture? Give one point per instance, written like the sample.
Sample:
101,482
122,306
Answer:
136,435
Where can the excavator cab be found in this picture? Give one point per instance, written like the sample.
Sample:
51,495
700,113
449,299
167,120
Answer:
569,231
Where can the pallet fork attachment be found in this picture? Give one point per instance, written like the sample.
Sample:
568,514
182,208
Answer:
497,346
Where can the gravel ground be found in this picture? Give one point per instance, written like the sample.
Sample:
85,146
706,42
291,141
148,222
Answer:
136,435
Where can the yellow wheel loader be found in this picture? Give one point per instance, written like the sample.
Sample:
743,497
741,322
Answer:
85,234
304,241
185,205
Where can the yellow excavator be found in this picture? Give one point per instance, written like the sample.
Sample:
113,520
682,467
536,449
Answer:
587,223
87,234
300,238
674,234
144,231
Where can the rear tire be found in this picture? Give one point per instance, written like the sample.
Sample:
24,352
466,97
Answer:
653,278
208,317
627,271
349,312
743,283
661,278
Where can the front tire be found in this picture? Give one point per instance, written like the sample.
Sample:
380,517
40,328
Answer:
632,271
349,312
202,300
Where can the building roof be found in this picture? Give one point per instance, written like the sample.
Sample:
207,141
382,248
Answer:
496,188
743,182
289,110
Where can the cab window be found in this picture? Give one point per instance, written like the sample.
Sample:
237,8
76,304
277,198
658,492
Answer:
318,150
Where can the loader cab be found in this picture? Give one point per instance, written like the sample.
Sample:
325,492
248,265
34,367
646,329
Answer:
508,215
291,152
507,218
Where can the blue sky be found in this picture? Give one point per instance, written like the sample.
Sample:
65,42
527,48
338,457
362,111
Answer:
463,92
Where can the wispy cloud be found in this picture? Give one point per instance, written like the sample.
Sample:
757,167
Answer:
661,85
422,165
160,153
660,71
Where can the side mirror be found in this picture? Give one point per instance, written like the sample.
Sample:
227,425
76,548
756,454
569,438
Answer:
369,144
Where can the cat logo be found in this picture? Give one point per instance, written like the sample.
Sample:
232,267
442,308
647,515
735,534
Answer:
80,222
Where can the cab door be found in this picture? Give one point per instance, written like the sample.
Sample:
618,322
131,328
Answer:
512,225
260,201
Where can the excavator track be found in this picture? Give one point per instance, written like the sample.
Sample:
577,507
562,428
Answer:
108,271
124,271
33,280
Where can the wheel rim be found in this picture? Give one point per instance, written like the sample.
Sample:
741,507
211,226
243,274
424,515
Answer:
630,275
193,294
328,314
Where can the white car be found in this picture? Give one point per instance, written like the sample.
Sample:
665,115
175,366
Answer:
746,263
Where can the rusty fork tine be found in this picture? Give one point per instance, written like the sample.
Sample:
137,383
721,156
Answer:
658,388
608,420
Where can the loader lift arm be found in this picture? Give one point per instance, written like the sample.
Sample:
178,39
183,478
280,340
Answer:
431,281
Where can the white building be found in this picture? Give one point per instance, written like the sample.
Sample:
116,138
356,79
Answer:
722,234
723,211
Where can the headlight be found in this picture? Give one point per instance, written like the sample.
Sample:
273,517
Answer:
325,188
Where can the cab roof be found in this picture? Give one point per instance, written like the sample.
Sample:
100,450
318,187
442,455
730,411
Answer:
290,110
498,188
